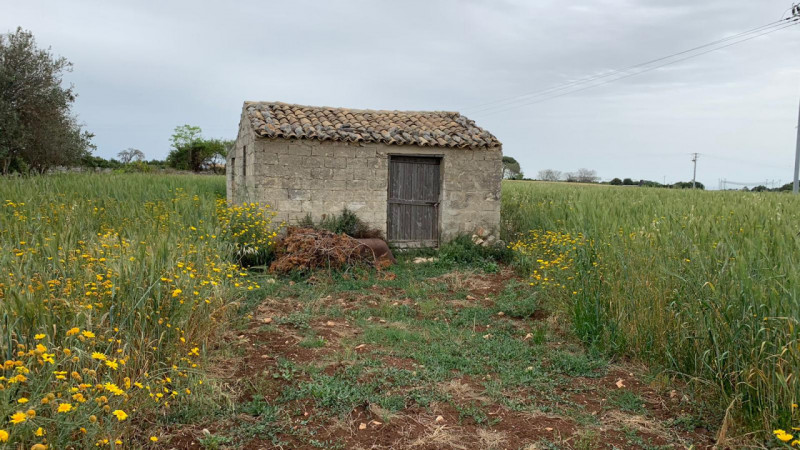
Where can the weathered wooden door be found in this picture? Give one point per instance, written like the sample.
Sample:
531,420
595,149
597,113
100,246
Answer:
414,186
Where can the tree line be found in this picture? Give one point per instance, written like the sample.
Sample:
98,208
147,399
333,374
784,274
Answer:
39,132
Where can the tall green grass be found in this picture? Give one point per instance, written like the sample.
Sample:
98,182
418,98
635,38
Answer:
110,287
704,284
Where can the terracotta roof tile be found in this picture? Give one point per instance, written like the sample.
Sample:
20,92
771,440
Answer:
423,128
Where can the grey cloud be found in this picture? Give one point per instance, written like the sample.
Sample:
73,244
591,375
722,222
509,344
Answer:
143,68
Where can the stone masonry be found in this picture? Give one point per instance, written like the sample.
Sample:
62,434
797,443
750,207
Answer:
298,177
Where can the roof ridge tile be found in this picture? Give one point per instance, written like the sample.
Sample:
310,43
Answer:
424,128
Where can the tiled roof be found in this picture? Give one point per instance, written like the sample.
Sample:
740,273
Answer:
423,128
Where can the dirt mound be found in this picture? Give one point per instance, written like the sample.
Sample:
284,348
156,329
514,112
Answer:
305,249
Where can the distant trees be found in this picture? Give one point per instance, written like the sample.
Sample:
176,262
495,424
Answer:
130,155
190,151
511,169
761,188
37,128
688,185
549,175
583,176
649,183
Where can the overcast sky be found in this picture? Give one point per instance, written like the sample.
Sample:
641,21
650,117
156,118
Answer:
142,68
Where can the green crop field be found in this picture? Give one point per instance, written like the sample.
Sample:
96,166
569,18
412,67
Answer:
703,284
126,321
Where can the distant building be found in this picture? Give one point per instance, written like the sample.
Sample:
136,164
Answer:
420,177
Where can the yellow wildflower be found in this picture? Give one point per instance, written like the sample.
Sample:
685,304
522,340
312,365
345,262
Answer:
98,355
783,435
18,417
120,414
4,436
65,407
39,336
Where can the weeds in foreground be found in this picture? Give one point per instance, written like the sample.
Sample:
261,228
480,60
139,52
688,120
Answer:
111,288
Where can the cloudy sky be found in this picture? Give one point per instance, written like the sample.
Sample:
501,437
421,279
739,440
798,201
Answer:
142,68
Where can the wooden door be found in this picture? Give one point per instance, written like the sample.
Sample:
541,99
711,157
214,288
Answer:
414,186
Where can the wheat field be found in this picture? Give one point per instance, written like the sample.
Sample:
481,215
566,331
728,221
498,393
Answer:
701,284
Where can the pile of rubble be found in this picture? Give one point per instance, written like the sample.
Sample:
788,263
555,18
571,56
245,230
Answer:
485,238
306,249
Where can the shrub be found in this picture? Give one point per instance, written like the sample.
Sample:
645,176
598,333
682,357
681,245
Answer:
347,222
462,251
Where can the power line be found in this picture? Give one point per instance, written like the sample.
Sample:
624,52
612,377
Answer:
649,69
724,182
553,92
583,80
744,161
775,26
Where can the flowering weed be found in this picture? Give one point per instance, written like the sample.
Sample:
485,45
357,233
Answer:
111,288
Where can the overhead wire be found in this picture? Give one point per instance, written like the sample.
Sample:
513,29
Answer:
623,70
743,161
502,108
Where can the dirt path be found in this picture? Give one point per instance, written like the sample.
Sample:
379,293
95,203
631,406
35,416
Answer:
427,357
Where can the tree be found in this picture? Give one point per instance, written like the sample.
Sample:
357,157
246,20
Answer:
628,182
191,152
37,128
129,155
511,169
97,162
184,135
549,175
615,182
688,185
584,176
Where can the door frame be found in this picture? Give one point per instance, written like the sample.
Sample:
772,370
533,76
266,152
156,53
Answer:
416,243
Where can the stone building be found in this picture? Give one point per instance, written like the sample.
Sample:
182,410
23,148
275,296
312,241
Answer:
420,177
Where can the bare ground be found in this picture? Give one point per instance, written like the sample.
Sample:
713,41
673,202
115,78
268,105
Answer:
360,368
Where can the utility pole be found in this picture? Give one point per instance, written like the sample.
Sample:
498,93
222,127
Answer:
797,158
796,13
694,174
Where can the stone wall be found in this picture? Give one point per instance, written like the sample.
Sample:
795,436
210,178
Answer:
241,183
300,177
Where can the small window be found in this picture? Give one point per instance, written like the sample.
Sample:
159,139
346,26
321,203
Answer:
244,161
233,167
